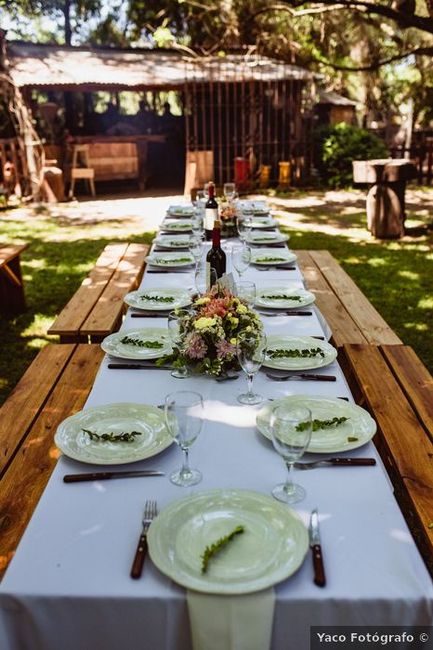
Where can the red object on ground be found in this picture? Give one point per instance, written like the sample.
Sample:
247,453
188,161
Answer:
242,173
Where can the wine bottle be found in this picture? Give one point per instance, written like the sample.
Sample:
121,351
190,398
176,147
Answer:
216,258
210,212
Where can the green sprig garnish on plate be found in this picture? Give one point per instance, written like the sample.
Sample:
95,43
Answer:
112,437
281,296
302,354
145,296
217,546
271,259
153,345
322,424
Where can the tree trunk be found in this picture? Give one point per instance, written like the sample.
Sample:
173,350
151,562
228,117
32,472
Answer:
67,15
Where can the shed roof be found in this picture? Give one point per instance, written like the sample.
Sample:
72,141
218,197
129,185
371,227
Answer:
331,97
35,65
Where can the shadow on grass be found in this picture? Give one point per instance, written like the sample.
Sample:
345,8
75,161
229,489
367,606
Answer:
52,272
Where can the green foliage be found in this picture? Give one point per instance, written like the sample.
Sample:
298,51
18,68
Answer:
337,146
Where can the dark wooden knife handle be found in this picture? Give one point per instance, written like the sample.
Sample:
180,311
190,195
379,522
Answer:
320,377
140,554
319,570
353,461
75,478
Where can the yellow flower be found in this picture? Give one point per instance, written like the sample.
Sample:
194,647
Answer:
204,322
242,309
249,328
202,301
234,321
233,341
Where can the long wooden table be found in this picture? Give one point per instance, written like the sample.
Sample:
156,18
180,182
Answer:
229,456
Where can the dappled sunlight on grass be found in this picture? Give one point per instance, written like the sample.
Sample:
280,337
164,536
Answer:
377,261
426,303
419,327
408,275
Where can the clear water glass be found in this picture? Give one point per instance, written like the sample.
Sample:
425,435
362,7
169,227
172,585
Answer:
251,350
176,320
291,429
244,225
246,291
241,258
183,412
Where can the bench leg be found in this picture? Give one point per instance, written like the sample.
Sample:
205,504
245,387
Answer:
12,300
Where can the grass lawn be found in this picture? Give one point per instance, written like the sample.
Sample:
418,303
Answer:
396,275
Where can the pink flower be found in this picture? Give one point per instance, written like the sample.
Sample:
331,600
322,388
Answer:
225,349
195,347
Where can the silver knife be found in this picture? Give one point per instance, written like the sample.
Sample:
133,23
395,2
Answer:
103,476
319,569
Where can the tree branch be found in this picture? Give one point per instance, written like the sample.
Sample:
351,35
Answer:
405,20
419,51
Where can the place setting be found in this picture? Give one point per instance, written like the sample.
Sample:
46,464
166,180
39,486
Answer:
281,299
275,259
156,302
171,262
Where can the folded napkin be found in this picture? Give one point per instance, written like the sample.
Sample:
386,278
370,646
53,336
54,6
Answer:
241,622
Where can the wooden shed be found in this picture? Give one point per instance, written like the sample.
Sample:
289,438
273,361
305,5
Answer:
237,111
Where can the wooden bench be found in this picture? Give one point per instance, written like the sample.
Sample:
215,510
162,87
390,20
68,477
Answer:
395,386
96,309
350,315
54,386
12,300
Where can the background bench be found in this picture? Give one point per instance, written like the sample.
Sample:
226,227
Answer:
54,386
96,309
12,299
395,386
350,315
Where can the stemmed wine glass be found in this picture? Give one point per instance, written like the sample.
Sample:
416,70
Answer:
195,248
250,350
291,429
229,191
246,291
205,277
175,331
183,412
241,258
244,225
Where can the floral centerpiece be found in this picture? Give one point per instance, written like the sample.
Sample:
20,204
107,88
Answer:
210,333
227,215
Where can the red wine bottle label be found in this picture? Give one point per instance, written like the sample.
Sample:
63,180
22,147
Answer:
210,215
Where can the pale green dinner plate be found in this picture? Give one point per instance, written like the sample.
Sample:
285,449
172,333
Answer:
286,342
270,550
268,298
180,210
182,258
175,241
114,346
263,222
355,432
272,256
148,299
268,237
113,418
180,225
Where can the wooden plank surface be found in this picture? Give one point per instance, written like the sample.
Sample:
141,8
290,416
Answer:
74,314
405,448
103,318
28,473
344,329
8,252
415,380
24,403
375,329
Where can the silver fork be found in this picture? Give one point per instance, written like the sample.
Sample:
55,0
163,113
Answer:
150,512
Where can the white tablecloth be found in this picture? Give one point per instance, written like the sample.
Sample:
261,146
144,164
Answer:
68,587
